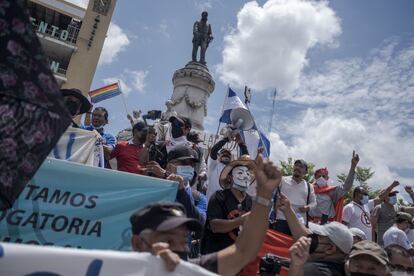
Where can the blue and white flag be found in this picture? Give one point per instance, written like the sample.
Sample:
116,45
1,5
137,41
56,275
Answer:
264,143
232,101
253,138
81,146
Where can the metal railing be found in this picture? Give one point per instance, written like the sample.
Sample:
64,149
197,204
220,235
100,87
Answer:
61,71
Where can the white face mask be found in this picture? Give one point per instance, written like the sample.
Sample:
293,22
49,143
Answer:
321,182
241,178
392,200
365,200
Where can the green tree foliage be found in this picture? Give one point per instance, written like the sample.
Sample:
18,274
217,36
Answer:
287,169
402,203
362,175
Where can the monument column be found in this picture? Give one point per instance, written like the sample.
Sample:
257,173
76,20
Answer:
193,86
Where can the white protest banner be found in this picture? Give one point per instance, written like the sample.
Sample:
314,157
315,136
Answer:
18,259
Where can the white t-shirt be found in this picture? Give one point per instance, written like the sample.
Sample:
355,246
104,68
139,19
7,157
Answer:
394,235
358,216
213,174
410,235
297,193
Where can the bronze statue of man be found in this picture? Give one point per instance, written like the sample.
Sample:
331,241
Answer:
202,36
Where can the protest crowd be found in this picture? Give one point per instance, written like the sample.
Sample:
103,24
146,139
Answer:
234,214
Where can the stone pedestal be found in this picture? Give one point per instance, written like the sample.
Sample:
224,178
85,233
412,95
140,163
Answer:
193,85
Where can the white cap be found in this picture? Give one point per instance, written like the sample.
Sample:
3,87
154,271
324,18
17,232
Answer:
338,233
356,232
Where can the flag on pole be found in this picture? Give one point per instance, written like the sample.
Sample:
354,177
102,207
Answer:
232,101
253,138
105,92
265,144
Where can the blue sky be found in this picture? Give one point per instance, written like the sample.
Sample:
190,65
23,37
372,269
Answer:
344,71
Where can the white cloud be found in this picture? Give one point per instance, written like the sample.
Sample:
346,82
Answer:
379,87
115,42
328,141
163,29
203,5
124,87
137,79
130,80
81,3
268,49
366,104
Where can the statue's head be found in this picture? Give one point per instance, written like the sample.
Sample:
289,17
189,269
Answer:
169,104
204,15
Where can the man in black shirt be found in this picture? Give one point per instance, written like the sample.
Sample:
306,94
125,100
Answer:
162,229
228,208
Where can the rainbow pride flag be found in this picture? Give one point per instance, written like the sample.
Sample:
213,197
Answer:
105,92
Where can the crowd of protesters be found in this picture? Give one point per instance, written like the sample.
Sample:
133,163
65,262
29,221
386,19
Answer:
225,206
211,221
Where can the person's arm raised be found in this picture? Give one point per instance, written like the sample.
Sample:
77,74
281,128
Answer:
233,258
410,191
380,198
349,181
296,227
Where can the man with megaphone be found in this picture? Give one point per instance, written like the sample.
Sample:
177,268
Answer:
238,119
219,158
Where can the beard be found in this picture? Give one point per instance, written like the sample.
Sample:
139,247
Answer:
296,174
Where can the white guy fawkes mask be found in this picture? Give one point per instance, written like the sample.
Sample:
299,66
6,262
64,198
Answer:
241,178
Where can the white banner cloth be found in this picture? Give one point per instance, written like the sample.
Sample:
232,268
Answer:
20,259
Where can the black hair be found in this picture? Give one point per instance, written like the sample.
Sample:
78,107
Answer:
139,126
187,122
358,189
100,108
151,129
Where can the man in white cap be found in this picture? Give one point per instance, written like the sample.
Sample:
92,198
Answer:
357,234
319,250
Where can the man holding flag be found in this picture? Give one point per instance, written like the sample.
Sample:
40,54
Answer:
99,120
